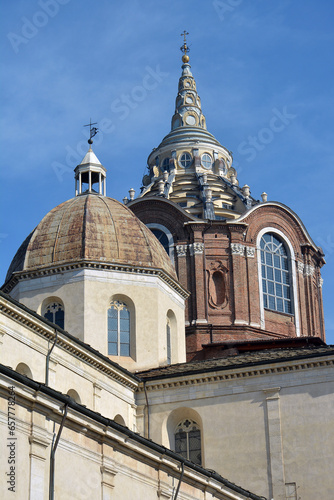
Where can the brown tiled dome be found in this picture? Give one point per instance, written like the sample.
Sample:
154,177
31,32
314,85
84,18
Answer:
92,228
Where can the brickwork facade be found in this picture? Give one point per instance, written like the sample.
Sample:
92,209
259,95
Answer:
218,263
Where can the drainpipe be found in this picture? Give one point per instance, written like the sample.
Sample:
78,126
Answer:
52,455
180,480
48,359
148,411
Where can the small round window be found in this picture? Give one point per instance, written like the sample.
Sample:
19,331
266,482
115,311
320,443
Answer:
206,161
185,160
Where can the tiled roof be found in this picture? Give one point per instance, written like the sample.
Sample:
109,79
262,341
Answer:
243,360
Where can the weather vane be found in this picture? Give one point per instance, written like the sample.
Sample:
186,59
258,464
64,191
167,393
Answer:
92,130
184,48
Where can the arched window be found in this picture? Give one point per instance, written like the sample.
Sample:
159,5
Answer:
54,312
118,329
169,345
276,274
164,236
188,441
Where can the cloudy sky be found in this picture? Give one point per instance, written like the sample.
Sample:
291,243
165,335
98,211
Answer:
66,61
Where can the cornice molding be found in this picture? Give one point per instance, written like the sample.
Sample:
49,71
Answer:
235,374
123,268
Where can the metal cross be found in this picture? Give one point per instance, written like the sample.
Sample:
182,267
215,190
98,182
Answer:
184,47
184,34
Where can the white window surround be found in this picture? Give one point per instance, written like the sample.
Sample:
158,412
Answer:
153,225
293,273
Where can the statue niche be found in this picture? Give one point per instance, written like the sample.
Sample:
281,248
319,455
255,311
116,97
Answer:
217,285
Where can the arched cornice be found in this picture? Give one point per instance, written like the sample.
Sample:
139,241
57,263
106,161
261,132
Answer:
275,204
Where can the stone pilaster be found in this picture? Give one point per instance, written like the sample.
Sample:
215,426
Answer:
274,444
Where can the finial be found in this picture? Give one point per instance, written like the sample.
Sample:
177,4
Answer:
92,131
185,48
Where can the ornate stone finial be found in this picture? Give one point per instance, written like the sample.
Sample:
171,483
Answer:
132,194
92,131
246,190
264,197
125,200
184,48
161,186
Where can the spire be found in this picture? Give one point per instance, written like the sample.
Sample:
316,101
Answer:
188,112
90,172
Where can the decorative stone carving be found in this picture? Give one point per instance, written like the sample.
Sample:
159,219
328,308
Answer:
237,249
181,250
320,282
217,285
308,270
250,252
196,248
300,267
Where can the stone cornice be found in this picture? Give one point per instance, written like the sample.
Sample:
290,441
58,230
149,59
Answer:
123,268
232,373
67,342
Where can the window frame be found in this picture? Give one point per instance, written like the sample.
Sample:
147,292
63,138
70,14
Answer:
204,161
49,302
293,279
163,229
118,343
182,427
184,153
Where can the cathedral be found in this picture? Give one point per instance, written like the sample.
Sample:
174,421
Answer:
171,346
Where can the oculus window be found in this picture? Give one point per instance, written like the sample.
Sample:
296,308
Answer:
188,441
185,160
276,274
118,329
206,161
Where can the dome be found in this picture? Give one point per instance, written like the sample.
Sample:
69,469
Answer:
91,228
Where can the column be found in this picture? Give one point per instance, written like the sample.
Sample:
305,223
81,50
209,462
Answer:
253,291
239,284
100,183
90,181
181,262
274,444
197,251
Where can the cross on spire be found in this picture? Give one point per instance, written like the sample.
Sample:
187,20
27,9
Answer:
184,47
92,130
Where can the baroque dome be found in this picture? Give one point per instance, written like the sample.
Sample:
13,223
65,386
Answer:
90,228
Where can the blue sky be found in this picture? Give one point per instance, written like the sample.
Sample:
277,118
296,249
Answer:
66,61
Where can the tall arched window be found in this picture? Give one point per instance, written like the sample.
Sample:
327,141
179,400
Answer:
54,312
276,274
169,344
188,441
118,329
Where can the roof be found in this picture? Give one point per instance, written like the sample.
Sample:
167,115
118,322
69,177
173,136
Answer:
107,422
233,361
95,228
